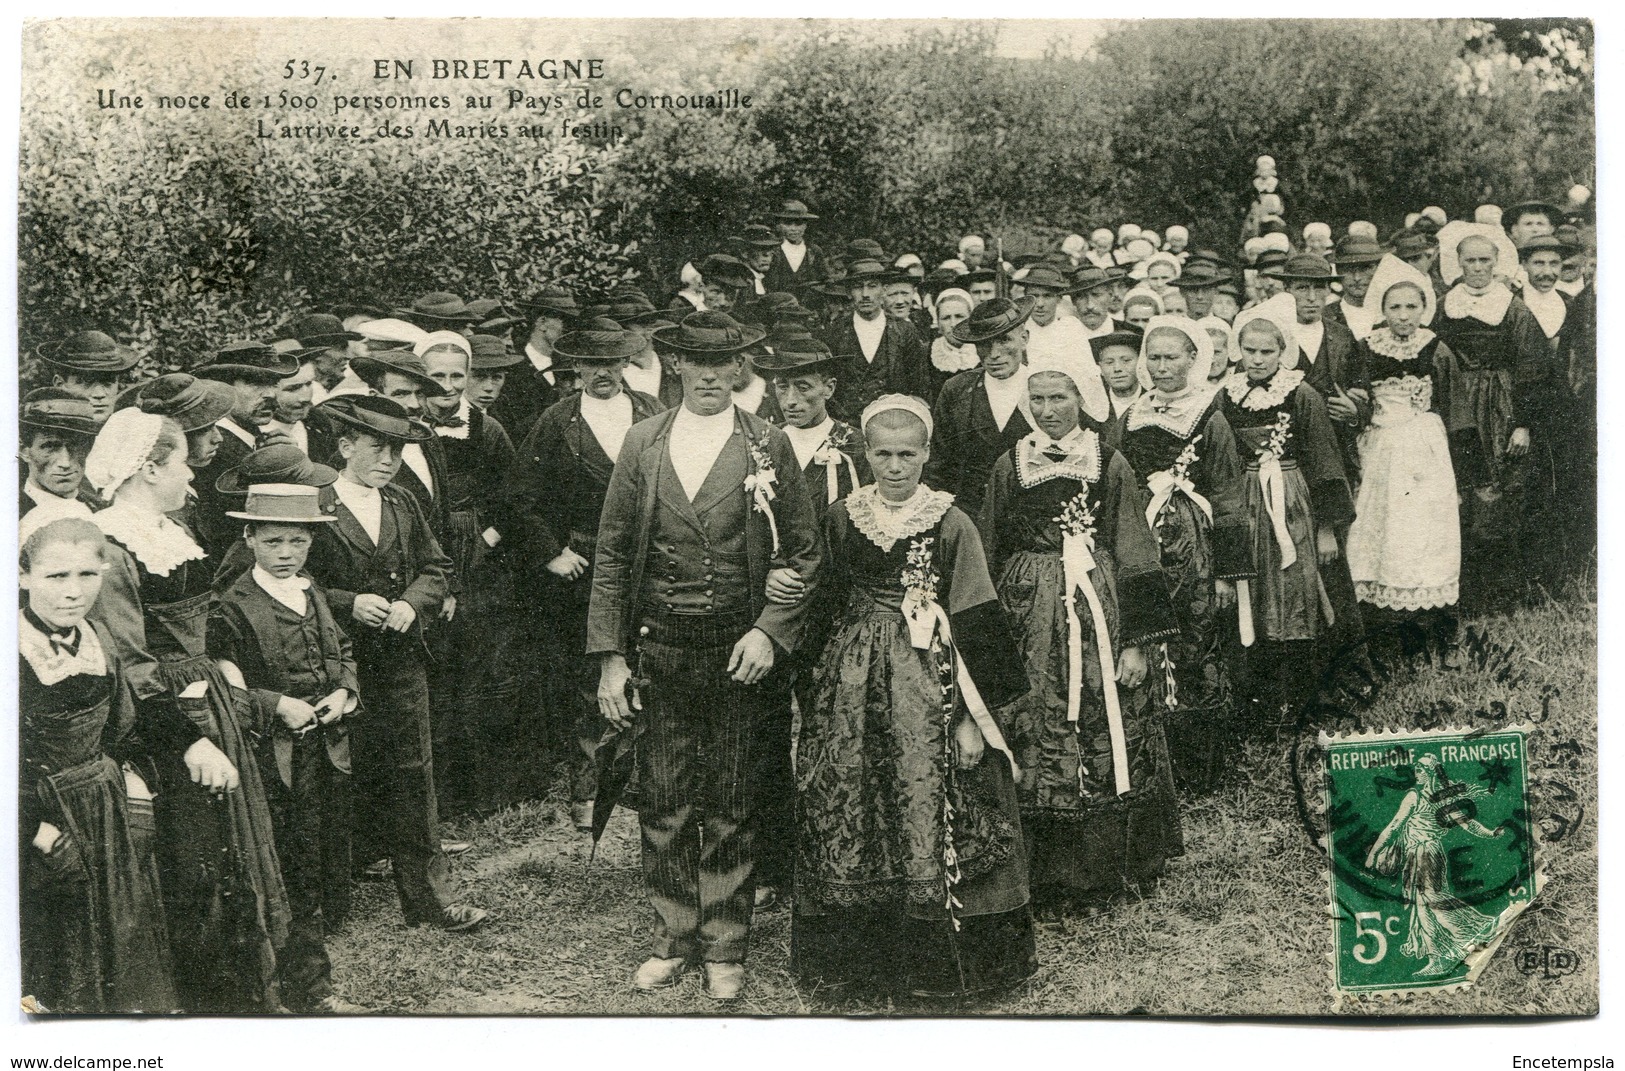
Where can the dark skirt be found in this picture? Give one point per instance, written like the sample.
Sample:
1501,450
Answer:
1286,602
223,893
876,778
93,933
1189,675
1081,836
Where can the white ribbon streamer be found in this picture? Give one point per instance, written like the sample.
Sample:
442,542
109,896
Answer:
1273,482
1163,483
1077,560
826,456
926,619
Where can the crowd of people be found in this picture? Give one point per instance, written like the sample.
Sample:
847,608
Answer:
918,601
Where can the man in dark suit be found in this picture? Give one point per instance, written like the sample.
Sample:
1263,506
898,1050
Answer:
403,378
797,264
1331,356
556,490
1356,258
705,517
980,414
830,453
875,354
535,384
647,372
386,579
252,370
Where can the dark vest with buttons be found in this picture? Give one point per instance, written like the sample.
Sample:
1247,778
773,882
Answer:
697,561
298,656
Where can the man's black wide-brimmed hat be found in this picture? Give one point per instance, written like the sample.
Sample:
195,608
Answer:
710,336
90,351
993,318
598,339
377,416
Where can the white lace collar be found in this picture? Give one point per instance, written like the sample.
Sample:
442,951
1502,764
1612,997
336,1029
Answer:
1383,341
946,357
1489,307
1268,396
461,430
1548,309
1178,414
1082,461
52,666
884,526
155,541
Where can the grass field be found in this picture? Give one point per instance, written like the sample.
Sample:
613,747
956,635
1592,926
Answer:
1238,926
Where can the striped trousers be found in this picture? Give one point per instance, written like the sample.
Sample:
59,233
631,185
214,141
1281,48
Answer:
694,759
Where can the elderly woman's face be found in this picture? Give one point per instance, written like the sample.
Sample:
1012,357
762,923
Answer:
1158,275
1054,402
1168,360
1478,259
950,314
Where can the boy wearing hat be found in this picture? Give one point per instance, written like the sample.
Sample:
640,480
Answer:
56,428
252,370
704,512
1051,337
488,370
91,365
556,491
403,378
386,578
276,627
535,384
797,264
876,354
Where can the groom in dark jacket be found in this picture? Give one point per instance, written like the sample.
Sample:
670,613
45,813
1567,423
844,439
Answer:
705,516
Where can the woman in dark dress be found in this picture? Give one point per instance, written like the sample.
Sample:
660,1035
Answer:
910,871
92,922
223,894
1183,452
1296,499
1064,528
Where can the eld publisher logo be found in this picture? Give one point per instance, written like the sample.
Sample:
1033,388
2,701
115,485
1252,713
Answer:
1549,961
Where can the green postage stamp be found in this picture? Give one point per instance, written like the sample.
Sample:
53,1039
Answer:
1431,856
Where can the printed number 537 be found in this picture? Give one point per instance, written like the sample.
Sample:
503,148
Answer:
303,70
1372,924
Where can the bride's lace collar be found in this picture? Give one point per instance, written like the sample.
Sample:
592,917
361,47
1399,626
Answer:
155,541
1269,395
1179,414
883,524
1079,457
1384,341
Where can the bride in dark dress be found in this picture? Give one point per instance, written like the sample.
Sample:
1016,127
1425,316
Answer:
911,873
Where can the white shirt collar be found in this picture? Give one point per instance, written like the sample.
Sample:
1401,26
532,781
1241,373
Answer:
289,592
806,441
1309,338
413,457
869,333
1548,308
228,424
363,502
1005,396
696,443
540,361
1360,319
608,419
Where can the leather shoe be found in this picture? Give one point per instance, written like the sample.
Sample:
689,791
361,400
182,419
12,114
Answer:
657,972
724,981
454,847
461,918
581,815
333,1005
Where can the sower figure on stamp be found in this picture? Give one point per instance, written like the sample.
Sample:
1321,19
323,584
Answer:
385,578
275,627
556,491
705,512
830,454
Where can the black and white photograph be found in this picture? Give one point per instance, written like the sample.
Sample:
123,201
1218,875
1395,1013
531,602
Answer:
787,517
